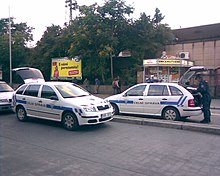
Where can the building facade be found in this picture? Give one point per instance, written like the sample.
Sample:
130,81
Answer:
195,46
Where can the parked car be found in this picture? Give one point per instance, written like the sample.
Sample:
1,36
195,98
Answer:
58,101
168,100
6,94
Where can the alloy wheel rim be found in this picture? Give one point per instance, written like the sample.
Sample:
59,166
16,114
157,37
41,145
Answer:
170,115
69,122
20,114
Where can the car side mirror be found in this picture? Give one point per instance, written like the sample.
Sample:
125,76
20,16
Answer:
125,95
53,97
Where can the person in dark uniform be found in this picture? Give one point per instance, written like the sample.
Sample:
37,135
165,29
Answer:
203,88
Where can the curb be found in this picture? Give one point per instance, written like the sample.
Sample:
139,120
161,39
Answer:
213,107
205,128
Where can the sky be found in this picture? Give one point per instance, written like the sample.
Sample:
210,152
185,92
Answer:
43,13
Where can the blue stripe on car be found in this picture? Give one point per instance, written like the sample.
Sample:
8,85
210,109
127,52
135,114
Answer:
122,101
21,101
183,100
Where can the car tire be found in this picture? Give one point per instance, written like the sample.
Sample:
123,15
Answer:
115,109
170,113
21,114
70,121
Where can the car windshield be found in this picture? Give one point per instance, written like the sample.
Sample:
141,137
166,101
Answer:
5,88
71,91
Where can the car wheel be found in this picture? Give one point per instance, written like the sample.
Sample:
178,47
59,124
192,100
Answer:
21,114
170,114
115,109
70,121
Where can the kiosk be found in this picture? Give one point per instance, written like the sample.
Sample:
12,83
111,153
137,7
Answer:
166,69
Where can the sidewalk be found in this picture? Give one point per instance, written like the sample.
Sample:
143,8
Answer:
215,104
212,128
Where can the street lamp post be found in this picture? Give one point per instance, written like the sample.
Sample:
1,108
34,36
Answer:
10,54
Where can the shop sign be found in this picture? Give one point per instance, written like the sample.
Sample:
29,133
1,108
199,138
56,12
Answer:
190,63
150,62
169,62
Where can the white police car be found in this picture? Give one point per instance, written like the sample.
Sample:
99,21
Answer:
168,100
6,93
58,101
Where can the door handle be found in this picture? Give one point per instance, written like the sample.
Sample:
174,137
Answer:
23,98
40,101
164,99
140,99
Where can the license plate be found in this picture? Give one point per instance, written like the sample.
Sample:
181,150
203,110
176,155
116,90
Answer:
106,115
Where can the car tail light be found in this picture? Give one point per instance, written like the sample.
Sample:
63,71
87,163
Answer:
191,103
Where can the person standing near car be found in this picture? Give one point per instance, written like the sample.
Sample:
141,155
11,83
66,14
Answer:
203,88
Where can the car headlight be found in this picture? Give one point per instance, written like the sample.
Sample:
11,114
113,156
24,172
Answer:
89,109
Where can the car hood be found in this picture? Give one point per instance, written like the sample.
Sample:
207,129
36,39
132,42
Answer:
191,72
6,95
113,97
87,100
30,75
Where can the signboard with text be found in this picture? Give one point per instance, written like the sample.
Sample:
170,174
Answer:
66,68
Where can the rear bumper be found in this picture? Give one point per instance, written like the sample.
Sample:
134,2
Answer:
192,111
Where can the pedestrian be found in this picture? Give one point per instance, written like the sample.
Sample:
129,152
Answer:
86,84
97,85
203,88
115,86
74,80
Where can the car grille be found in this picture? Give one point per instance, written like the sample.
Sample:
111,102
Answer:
100,108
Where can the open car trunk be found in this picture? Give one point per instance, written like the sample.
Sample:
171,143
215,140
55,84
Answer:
30,75
191,74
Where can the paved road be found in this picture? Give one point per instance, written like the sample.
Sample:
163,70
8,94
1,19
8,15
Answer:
44,148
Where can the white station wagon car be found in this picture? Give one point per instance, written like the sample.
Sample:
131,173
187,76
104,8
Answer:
58,101
168,100
6,93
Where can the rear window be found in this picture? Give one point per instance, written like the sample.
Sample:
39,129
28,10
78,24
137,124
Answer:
21,89
158,90
175,91
32,90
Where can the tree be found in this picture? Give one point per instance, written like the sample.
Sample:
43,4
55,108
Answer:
54,44
98,33
21,34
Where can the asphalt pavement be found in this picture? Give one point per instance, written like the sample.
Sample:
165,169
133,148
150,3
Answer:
213,127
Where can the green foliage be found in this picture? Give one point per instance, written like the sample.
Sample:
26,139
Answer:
95,35
20,36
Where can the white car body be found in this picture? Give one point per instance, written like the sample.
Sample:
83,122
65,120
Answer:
53,100
169,100
6,94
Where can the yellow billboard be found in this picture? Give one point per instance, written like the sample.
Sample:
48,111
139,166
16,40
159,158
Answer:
66,68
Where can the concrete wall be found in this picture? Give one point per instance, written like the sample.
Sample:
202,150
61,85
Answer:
205,53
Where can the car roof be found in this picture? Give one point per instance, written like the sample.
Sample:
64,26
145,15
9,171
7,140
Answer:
50,83
160,83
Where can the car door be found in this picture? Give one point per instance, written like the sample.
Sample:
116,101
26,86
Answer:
50,104
157,96
133,100
30,97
